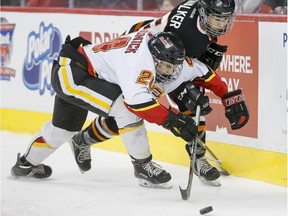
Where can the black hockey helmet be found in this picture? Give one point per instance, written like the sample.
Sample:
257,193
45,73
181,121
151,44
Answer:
217,16
168,53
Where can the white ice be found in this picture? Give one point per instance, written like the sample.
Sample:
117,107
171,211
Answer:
110,189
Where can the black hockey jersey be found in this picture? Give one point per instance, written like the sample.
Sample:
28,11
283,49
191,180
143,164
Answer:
183,20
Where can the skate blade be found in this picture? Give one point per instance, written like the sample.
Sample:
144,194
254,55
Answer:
27,178
81,171
147,184
215,183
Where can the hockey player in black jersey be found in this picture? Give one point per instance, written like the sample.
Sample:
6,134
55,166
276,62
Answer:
198,23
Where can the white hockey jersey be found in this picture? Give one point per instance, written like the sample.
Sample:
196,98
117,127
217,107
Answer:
127,62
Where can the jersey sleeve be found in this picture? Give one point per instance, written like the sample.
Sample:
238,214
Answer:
213,82
137,26
151,111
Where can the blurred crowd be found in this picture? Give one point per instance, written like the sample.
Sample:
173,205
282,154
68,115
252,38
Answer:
99,4
261,6
242,6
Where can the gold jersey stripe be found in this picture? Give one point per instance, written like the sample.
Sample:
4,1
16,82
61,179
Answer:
145,108
126,130
41,145
79,92
212,76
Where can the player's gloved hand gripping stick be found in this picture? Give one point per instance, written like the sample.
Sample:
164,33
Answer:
181,125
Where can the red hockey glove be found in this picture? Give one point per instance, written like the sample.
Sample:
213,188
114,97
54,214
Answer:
235,109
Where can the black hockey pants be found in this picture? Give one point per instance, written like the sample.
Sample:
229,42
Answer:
77,91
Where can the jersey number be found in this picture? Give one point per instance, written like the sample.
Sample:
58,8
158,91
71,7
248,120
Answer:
117,43
146,78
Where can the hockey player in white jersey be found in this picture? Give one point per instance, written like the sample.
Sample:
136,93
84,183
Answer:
115,80
120,80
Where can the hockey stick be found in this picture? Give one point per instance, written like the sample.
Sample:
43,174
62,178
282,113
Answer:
185,193
213,158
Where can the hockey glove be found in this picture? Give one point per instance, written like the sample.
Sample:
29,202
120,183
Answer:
76,42
213,55
235,109
195,98
181,125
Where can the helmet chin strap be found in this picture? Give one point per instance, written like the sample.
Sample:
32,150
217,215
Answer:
200,25
158,80
202,29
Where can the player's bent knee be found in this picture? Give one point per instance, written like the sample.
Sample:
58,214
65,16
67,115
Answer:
55,136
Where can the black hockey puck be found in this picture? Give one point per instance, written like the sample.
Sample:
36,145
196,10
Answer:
206,210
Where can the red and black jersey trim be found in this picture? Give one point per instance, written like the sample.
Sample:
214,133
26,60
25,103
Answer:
213,82
208,75
151,111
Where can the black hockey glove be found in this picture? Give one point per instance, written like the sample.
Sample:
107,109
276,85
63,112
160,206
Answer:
181,125
213,55
76,42
235,109
195,98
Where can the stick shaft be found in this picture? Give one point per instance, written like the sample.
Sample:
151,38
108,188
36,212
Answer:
185,193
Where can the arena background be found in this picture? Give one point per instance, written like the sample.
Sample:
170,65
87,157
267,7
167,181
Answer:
256,62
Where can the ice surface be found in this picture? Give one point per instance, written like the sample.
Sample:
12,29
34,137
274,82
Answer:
110,189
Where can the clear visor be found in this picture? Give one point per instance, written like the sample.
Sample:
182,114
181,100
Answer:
217,25
166,72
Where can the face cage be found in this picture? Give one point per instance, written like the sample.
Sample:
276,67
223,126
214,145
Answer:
217,24
166,72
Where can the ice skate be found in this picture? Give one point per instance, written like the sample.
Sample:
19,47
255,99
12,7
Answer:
23,168
206,173
151,175
81,152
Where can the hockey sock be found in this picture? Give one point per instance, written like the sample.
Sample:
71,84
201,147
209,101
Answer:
96,132
144,160
200,151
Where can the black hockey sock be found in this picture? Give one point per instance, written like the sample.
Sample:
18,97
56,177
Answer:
200,151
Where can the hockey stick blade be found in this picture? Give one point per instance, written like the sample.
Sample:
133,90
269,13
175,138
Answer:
185,193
